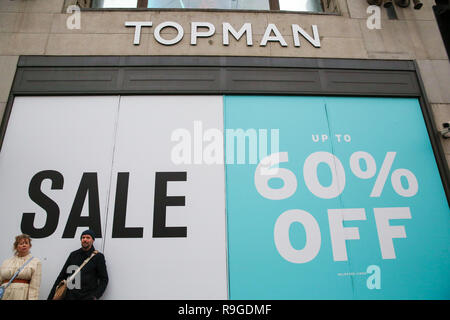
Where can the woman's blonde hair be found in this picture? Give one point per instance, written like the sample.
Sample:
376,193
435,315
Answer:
19,238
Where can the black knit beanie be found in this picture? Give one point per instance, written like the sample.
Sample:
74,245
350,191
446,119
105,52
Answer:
88,232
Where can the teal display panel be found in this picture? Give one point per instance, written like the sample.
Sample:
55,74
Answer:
333,198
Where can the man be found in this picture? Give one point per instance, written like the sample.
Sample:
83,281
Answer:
91,281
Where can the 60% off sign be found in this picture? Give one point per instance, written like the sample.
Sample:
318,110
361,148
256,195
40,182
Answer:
266,171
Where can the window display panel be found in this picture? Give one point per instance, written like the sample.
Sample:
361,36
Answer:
349,205
128,168
55,167
173,208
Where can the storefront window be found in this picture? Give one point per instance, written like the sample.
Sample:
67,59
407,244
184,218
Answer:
287,5
301,5
114,3
210,4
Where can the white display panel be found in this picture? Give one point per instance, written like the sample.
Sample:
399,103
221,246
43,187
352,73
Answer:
90,146
167,267
73,138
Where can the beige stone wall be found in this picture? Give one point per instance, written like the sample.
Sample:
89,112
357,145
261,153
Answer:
38,27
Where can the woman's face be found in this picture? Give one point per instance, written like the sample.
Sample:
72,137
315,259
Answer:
23,247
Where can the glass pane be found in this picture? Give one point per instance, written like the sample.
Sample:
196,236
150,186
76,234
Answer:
301,5
211,4
114,3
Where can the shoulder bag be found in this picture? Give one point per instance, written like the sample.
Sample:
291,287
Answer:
61,288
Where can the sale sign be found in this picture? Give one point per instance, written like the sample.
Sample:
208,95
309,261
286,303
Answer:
239,197
350,207
105,163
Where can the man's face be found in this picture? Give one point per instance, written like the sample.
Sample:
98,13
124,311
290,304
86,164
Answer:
86,242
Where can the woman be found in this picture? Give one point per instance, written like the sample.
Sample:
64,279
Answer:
26,285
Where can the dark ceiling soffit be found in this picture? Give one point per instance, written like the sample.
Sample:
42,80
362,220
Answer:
213,75
213,61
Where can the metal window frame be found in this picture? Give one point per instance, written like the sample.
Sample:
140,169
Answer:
274,5
217,75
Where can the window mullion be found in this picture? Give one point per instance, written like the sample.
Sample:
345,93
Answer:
274,5
142,4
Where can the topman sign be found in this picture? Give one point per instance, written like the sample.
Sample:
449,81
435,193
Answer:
207,29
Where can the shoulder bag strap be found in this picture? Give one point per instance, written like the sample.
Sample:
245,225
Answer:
69,279
17,272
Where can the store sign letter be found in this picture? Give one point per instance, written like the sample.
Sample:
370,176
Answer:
207,30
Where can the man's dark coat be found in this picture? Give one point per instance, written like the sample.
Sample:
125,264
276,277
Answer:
93,276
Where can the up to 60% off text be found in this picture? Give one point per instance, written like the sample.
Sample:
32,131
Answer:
266,171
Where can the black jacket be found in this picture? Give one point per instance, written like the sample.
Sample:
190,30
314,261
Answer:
93,276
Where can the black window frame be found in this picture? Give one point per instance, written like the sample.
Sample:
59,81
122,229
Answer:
274,5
